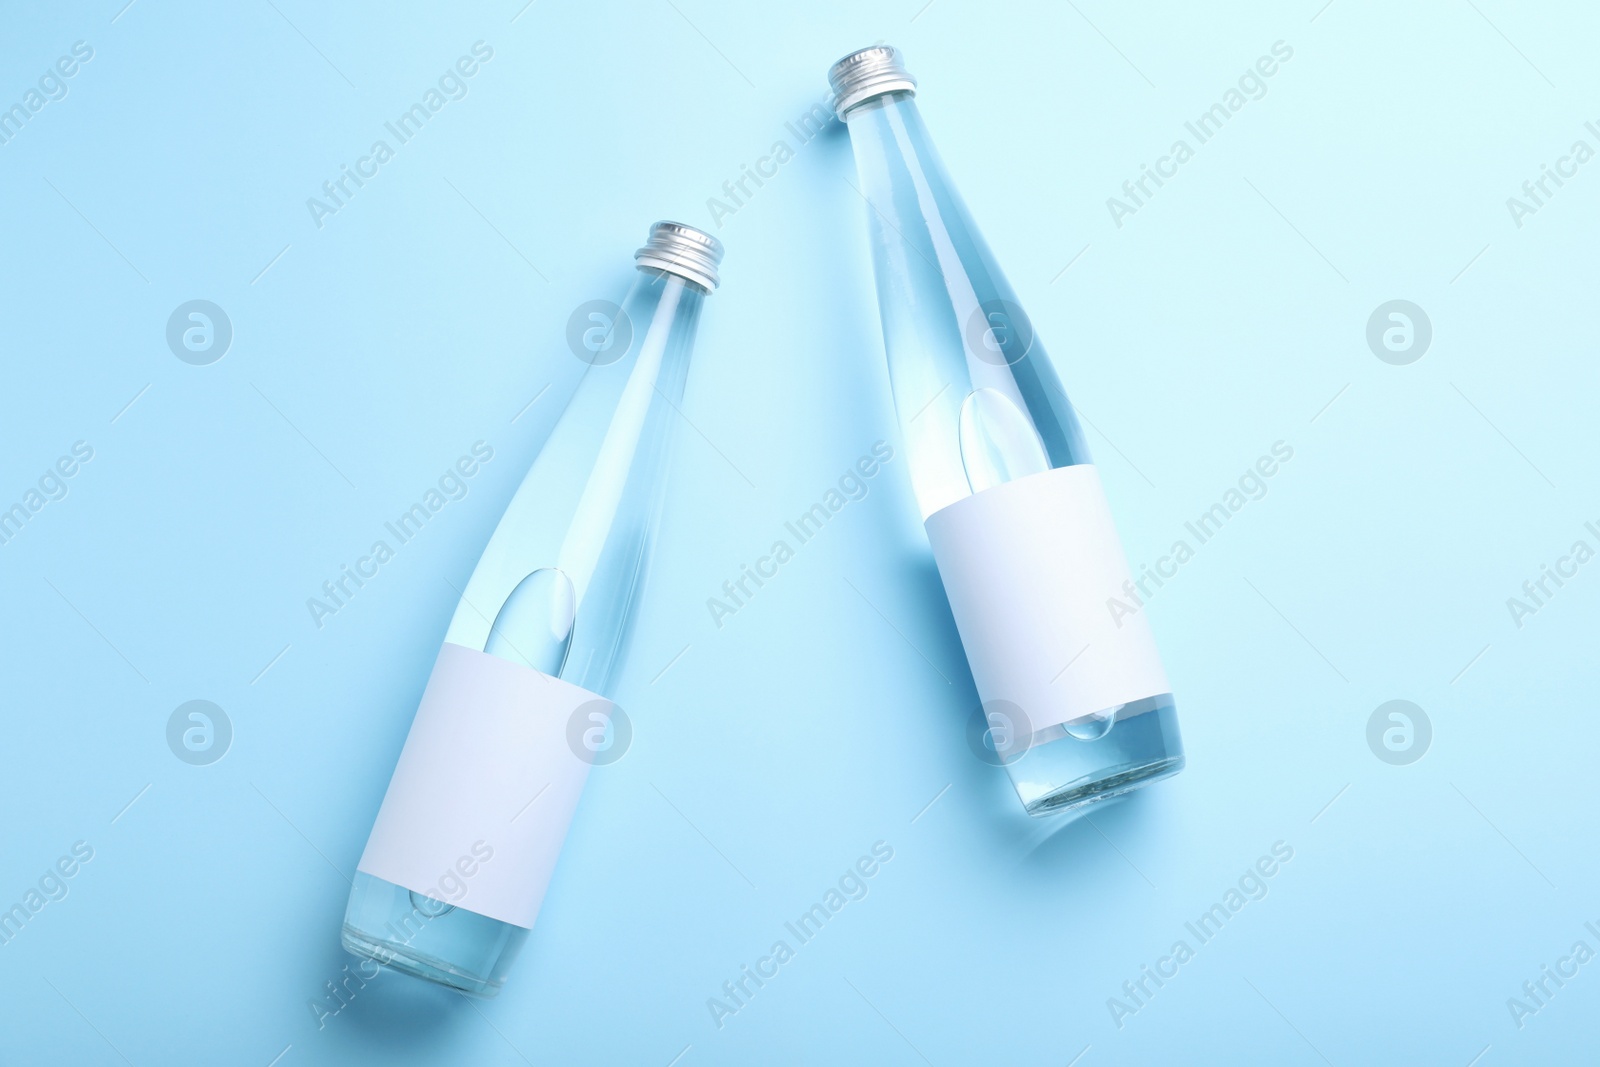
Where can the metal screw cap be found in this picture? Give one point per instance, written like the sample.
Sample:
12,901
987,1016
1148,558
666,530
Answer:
689,253
870,72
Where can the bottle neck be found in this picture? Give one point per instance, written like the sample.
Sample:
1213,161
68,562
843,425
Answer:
978,400
555,589
606,544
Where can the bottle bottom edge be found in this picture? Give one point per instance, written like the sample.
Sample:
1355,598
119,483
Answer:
1066,773
406,960
1076,798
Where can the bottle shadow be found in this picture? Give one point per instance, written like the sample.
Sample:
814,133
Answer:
1083,840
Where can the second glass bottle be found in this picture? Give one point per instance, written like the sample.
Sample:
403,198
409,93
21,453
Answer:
515,711
1074,698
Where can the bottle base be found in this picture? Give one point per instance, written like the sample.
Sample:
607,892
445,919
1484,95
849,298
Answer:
418,965
1074,799
1061,774
429,939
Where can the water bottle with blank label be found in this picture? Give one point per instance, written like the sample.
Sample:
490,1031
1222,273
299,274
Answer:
514,714
1075,700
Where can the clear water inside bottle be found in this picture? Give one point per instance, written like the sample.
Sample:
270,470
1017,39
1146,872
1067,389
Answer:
1063,771
534,626
998,443
429,938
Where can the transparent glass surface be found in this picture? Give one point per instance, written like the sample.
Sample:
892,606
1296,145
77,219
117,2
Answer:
555,587
555,590
979,404
1061,772
428,938
952,326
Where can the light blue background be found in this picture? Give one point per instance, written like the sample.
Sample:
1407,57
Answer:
1227,314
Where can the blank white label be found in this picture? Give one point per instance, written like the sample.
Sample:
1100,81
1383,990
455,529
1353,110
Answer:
485,788
1030,567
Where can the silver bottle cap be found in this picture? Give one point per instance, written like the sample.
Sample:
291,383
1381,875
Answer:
862,75
689,253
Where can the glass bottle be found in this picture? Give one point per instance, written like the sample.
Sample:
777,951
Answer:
1075,703
515,711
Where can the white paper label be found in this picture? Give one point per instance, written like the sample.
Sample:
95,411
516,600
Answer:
1029,567
485,788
